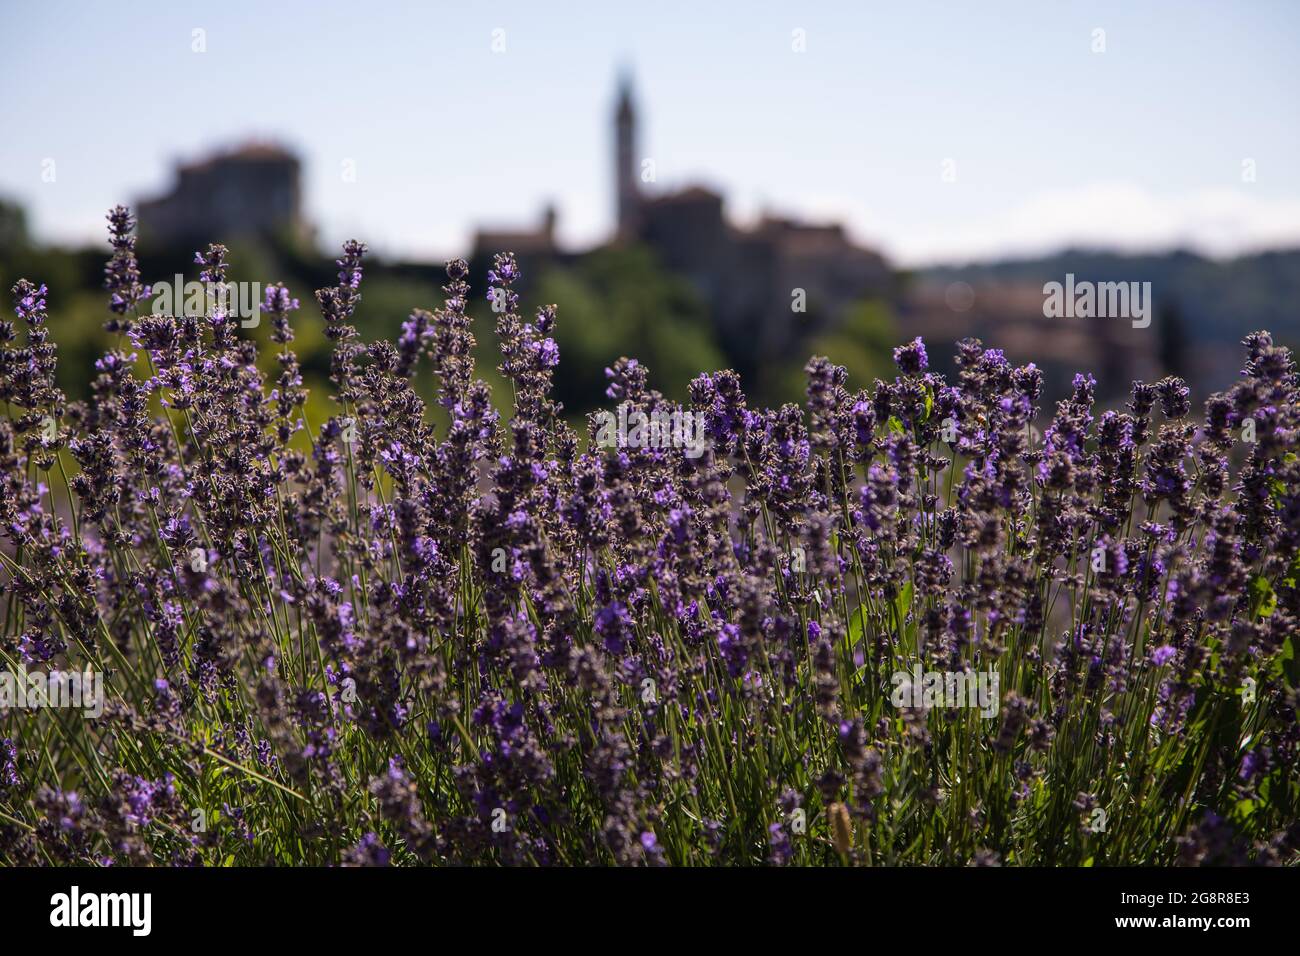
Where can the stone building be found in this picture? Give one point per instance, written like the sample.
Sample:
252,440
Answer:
252,190
533,248
767,287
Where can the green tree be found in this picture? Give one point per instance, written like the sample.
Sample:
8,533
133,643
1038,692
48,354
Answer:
618,301
863,343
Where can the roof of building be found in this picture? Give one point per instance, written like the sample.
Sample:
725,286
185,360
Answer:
691,194
250,151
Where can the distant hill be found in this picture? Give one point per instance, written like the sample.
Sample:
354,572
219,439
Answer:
1219,301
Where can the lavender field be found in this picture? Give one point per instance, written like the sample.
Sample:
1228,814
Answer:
910,622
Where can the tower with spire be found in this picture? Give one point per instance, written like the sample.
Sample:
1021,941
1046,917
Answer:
627,196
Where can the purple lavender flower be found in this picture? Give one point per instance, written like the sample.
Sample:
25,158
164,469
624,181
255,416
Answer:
911,358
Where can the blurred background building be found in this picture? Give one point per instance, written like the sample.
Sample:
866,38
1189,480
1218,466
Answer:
252,190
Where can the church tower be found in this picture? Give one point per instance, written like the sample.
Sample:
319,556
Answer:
625,162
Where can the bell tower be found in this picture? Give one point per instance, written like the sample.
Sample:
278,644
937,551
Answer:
625,172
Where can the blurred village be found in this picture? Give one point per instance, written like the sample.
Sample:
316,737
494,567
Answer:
681,287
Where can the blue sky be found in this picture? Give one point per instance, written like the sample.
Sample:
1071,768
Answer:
1139,147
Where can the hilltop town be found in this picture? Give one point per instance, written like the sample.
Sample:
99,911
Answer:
767,290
